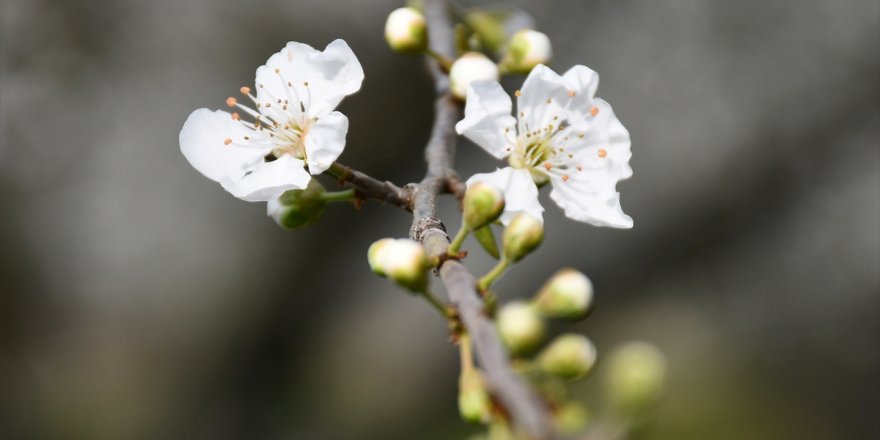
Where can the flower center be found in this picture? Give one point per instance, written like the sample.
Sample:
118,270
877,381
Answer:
280,124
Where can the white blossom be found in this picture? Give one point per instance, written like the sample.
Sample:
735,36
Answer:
292,123
562,135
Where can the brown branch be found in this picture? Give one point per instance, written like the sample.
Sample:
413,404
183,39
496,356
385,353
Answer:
526,409
367,187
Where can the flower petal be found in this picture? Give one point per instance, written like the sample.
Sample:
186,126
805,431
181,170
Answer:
542,94
269,180
487,116
583,81
314,80
605,146
520,192
214,144
591,199
325,141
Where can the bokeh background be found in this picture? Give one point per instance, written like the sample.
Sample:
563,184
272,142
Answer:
139,300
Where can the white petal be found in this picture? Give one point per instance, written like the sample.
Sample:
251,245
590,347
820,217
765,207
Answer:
520,192
269,180
487,116
203,143
604,132
591,200
325,141
543,92
331,76
583,81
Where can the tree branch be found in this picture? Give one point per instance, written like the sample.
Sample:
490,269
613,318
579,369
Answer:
526,409
367,187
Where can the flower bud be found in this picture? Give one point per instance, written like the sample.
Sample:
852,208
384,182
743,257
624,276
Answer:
375,255
523,235
470,67
473,400
520,326
567,294
636,372
483,203
403,261
571,418
405,31
527,49
569,356
298,207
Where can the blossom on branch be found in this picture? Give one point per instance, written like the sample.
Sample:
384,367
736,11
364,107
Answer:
562,135
293,132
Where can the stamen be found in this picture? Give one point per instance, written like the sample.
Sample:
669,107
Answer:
565,177
594,110
579,168
245,90
236,117
227,141
230,101
571,93
602,152
547,166
517,93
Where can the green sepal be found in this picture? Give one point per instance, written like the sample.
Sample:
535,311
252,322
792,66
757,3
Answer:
487,239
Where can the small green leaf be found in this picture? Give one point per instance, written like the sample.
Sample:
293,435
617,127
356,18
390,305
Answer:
487,239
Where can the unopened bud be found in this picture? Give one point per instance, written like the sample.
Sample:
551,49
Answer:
474,404
571,418
405,31
527,49
375,255
298,207
522,235
403,261
520,326
483,203
567,294
636,372
569,356
470,67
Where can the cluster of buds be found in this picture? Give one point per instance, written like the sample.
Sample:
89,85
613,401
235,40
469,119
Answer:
406,32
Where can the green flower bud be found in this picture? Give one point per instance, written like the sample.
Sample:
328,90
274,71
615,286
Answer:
636,373
523,235
527,49
520,326
571,418
567,294
470,67
403,261
483,203
569,356
375,257
474,404
405,31
298,207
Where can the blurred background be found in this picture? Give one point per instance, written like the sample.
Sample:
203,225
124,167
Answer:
140,300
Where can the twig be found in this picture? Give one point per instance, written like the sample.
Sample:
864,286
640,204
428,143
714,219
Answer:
526,409
367,187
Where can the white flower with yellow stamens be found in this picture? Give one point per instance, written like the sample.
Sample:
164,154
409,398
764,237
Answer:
293,124
563,135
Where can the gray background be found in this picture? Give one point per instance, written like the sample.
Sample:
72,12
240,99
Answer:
142,301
